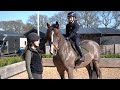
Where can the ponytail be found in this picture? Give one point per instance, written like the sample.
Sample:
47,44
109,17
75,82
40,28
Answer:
23,54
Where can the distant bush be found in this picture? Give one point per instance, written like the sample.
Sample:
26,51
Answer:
47,56
110,56
9,60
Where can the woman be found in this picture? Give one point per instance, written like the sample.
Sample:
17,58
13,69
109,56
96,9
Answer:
72,29
32,57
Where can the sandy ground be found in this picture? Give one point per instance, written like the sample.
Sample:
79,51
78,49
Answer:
81,73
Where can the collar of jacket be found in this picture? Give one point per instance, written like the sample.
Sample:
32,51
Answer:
33,50
72,24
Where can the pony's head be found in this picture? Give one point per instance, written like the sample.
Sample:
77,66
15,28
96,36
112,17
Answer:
53,36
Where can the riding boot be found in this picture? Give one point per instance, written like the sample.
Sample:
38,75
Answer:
81,55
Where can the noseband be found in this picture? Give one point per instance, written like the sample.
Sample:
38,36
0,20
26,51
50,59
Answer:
54,46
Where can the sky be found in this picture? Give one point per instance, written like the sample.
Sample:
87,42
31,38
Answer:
23,15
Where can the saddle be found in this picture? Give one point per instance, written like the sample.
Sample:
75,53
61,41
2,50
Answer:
83,49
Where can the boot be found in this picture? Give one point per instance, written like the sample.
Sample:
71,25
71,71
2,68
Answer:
81,55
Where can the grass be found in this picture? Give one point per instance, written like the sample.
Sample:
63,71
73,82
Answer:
47,56
12,60
110,56
9,60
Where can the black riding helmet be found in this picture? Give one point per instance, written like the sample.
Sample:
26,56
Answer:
32,37
71,14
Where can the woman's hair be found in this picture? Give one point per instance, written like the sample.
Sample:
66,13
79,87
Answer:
26,48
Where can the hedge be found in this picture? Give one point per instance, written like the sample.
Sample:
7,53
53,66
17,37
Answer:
47,56
110,56
9,60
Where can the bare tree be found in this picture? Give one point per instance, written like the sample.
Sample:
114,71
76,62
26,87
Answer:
61,17
43,20
106,18
88,19
116,17
32,20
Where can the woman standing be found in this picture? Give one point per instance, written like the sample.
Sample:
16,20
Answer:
32,57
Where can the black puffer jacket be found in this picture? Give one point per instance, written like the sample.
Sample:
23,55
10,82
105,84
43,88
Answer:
33,62
72,29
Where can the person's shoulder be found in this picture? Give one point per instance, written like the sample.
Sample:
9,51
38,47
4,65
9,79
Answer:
67,24
76,23
28,51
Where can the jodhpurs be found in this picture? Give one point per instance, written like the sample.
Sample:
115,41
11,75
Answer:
37,76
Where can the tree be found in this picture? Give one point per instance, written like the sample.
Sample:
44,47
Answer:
61,17
116,17
16,26
26,28
3,25
43,20
32,21
106,18
88,19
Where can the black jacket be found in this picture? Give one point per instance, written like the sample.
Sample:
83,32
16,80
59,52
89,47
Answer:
33,61
72,29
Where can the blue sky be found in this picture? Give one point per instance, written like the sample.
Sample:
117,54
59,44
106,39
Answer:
23,15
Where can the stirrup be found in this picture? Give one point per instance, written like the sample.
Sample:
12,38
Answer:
82,59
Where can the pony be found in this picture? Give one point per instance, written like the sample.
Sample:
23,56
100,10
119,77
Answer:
65,56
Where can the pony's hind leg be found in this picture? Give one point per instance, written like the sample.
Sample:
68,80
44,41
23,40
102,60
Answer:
89,69
96,64
61,72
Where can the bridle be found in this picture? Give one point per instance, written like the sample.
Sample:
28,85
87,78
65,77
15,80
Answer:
52,43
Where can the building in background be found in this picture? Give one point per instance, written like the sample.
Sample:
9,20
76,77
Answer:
107,38
11,43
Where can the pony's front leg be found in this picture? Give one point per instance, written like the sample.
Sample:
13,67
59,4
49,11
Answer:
70,73
61,72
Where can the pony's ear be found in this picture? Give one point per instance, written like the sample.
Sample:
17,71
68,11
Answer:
48,25
57,24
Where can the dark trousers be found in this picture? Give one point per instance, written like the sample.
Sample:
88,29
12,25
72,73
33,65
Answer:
37,76
76,39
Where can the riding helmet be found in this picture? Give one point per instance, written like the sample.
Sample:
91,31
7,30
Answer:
71,14
32,37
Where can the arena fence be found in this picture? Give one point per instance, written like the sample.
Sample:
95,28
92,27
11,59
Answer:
13,69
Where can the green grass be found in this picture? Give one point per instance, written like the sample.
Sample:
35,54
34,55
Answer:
47,56
12,60
110,56
9,60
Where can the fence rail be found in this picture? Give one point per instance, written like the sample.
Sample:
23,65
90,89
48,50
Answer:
13,69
